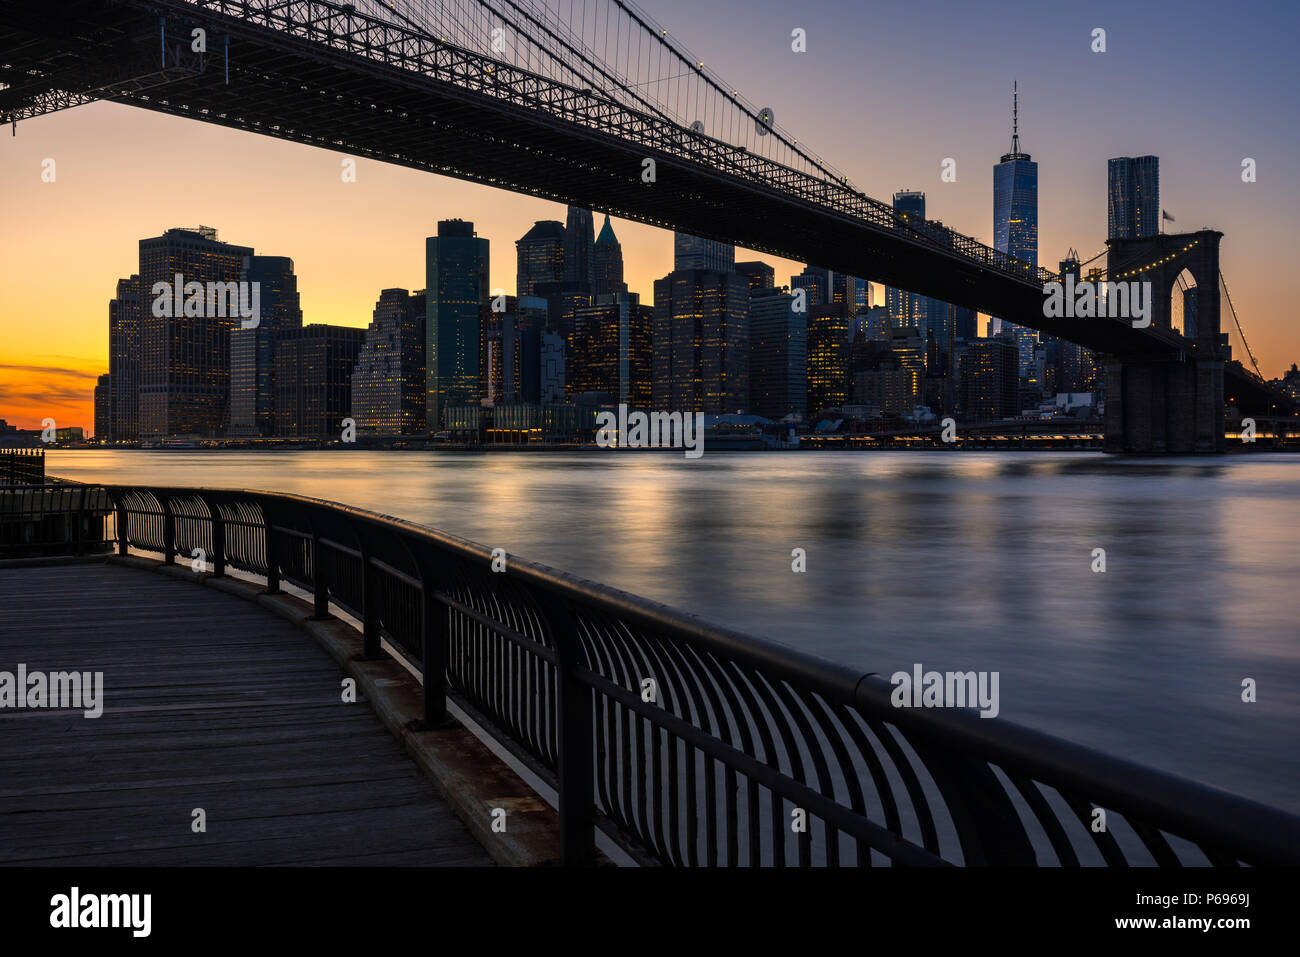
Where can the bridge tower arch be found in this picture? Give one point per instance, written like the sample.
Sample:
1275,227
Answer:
1170,403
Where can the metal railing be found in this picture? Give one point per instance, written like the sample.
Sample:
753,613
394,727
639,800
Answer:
690,744
22,466
54,518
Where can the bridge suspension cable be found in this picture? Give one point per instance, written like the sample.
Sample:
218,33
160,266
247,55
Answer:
1240,331
615,49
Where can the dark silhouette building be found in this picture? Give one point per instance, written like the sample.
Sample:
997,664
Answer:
252,349
124,363
579,248
778,382
103,398
758,274
313,380
990,380
607,264
540,256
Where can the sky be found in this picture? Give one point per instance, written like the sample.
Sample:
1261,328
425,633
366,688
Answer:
885,92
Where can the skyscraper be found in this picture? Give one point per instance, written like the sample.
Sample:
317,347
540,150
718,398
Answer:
607,264
611,351
456,300
103,396
124,363
1132,197
828,355
701,342
313,379
185,359
579,243
540,255
388,381
758,274
692,252
1015,222
989,384
252,350
778,382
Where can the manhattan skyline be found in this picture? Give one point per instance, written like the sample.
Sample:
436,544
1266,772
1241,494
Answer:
124,173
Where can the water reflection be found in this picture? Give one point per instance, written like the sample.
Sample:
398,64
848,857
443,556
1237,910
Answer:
957,561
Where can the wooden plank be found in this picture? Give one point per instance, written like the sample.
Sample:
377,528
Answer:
208,702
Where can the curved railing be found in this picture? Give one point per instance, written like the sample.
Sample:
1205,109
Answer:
690,744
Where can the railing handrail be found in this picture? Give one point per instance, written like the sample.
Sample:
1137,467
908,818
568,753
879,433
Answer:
1193,809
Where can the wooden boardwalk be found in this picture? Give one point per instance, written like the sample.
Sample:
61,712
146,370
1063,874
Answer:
209,702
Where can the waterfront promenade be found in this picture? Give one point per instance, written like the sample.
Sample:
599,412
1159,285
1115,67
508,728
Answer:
209,702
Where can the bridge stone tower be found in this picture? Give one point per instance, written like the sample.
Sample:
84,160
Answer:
1170,402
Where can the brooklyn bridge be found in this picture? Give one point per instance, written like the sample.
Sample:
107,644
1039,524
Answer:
601,108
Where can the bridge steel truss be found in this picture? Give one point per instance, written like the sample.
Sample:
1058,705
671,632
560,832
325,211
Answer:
322,74
314,72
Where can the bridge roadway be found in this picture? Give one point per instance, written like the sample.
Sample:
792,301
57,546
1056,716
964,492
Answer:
208,702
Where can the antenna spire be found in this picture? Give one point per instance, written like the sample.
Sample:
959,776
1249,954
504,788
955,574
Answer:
1015,117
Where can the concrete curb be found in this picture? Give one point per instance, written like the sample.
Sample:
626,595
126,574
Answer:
471,779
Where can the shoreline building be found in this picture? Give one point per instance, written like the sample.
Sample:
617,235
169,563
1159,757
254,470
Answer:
456,300
185,359
1015,224
103,397
124,363
313,380
701,342
252,350
388,380
778,354
612,351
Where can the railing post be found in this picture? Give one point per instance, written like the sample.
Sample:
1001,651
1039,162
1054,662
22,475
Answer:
272,566
369,610
169,531
319,586
218,541
576,741
434,639
123,536
77,520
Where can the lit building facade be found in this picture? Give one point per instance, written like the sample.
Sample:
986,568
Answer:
185,359
389,379
1132,197
701,342
456,302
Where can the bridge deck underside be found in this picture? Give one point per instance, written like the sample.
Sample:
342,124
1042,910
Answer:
314,93
289,87
209,702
